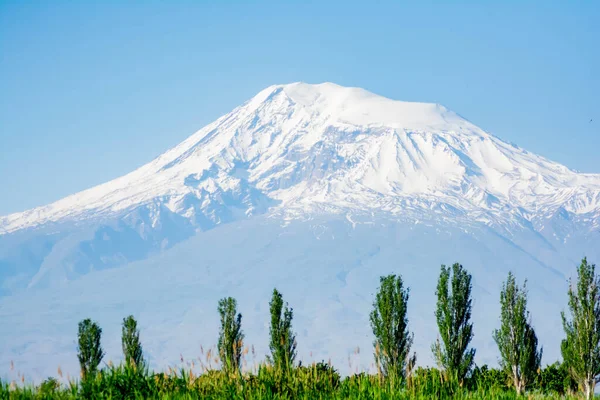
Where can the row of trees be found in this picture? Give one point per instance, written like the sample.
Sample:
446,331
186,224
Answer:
393,339
90,352
517,342
230,344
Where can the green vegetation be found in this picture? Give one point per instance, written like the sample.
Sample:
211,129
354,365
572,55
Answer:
89,350
453,315
390,327
130,340
581,348
516,337
282,338
520,375
317,381
231,338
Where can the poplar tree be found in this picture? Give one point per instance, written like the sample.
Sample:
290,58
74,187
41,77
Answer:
231,337
89,350
581,347
389,322
282,338
130,341
516,338
453,316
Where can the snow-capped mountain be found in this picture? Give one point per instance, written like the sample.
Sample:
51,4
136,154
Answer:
296,150
333,166
307,147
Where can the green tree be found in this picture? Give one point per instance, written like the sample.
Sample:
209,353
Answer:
130,341
89,350
231,337
282,338
390,327
453,315
581,347
516,338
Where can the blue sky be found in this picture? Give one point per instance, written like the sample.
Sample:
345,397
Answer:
90,91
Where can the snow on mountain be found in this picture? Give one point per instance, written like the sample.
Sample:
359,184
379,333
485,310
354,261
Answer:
316,189
294,150
309,146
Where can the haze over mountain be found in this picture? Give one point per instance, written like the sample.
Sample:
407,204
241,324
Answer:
315,189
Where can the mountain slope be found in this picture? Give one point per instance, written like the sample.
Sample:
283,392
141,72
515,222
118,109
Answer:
327,268
297,150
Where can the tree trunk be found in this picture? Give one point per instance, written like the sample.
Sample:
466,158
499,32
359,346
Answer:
587,387
516,380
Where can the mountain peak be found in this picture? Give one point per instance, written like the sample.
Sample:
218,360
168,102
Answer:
360,107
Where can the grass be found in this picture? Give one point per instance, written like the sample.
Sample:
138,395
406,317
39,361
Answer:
317,381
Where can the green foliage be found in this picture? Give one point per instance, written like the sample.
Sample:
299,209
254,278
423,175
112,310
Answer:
230,335
485,379
453,315
49,388
581,347
121,382
320,377
555,378
316,381
89,350
532,357
282,339
390,327
432,382
130,341
516,338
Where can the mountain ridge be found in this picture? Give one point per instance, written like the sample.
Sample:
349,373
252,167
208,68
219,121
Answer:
331,106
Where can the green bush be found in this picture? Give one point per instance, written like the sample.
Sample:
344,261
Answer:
486,379
555,378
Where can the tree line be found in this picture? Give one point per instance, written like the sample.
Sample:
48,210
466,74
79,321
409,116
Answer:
520,354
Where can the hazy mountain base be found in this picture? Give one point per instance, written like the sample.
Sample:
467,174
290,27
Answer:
327,268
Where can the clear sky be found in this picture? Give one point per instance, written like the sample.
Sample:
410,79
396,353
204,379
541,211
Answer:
90,91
